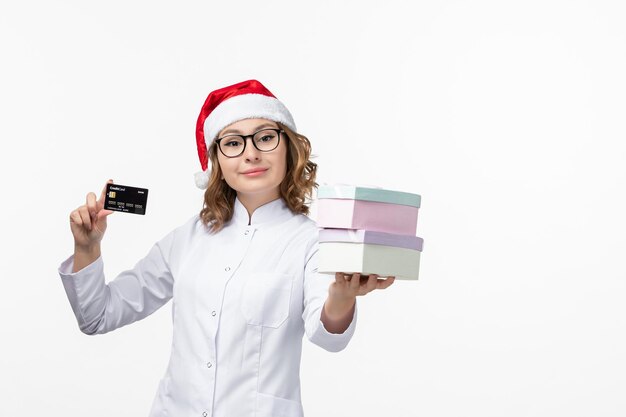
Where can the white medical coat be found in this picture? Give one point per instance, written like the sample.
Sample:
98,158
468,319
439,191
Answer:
242,300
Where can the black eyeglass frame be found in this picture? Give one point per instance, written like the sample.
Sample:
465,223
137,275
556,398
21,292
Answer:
245,141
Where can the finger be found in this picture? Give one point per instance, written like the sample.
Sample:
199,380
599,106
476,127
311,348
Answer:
103,213
75,218
339,277
84,215
355,281
385,283
91,204
371,283
103,194
346,277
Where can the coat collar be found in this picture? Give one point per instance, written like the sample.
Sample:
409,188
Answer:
276,211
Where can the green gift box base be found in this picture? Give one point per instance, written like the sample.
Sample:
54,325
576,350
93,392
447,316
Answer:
368,259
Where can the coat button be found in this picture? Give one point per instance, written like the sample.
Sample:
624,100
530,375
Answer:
209,364
227,269
247,231
213,313
204,414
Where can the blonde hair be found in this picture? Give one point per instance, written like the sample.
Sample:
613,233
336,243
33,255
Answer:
295,189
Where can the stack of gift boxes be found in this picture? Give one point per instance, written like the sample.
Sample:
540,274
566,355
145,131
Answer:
368,230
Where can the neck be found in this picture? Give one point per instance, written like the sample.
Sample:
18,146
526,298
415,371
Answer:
253,201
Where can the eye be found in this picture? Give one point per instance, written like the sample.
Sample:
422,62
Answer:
232,143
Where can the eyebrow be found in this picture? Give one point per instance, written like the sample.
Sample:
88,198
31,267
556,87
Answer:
257,128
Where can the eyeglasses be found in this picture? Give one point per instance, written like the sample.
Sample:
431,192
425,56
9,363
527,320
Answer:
265,140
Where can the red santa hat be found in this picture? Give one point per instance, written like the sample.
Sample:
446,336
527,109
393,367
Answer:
245,100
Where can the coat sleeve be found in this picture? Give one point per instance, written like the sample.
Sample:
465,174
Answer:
316,287
133,295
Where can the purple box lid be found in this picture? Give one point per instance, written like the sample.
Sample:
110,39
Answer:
372,237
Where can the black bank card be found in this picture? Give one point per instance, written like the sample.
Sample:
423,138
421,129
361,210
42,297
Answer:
126,199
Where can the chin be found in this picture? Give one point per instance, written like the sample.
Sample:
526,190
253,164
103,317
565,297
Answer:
257,188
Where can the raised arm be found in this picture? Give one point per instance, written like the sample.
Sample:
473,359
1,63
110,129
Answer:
132,295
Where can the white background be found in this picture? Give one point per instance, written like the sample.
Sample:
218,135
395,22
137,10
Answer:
506,117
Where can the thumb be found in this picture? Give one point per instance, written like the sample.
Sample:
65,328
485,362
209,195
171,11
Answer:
102,214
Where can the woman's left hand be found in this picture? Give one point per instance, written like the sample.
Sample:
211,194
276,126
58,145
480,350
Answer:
336,314
346,287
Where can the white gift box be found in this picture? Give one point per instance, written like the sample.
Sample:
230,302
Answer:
369,252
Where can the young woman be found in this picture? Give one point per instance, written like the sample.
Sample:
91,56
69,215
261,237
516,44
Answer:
242,273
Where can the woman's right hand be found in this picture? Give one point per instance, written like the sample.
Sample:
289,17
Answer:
89,221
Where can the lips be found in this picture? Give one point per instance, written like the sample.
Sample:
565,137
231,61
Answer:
255,170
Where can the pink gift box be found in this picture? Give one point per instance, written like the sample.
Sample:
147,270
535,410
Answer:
368,215
343,206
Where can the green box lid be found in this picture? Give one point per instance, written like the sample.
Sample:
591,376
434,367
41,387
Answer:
378,194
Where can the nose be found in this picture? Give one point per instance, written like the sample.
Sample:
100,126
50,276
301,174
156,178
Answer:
251,152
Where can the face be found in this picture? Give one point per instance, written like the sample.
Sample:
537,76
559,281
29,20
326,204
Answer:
261,186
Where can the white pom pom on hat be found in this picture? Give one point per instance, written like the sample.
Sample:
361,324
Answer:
202,178
245,100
